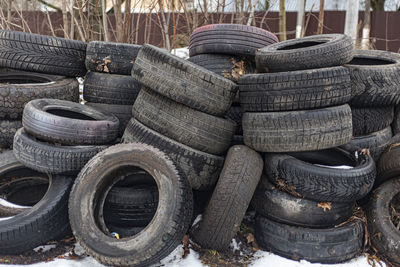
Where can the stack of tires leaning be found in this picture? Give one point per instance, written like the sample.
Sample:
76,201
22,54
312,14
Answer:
35,66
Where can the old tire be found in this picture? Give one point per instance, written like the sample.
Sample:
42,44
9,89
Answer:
69,123
230,199
161,236
42,53
183,81
296,90
389,165
311,52
7,132
288,132
372,119
235,113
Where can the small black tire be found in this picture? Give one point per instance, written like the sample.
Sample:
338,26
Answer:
113,58
293,131
69,123
165,231
371,119
183,81
328,245
110,88
296,90
310,174
47,158
230,199
311,52
199,130
7,131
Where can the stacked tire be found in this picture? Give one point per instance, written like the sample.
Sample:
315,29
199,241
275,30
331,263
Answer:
108,85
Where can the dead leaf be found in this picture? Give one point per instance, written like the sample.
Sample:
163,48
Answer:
105,69
226,74
325,205
186,243
107,61
250,238
365,151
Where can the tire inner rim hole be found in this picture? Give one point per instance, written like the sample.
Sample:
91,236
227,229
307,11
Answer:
301,45
126,202
69,114
10,79
369,61
394,210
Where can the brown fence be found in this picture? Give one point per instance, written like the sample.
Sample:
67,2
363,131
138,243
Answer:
385,29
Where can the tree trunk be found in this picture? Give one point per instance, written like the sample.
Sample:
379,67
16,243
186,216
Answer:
282,20
251,16
350,26
164,27
300,18
367,25
127,21
105,20
118,20
321,17
65,18
9,3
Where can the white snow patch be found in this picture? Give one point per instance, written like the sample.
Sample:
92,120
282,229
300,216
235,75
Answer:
197,220
343,167
181,52
235,245
5,203
44,248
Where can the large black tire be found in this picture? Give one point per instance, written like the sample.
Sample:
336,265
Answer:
372,119
7,132
233,39
329,245
230,199
297,130
19,87
303,173
384,234
110,88
183,81
311,52
389,165
42,53
161,236
374,78
185,125
69,123
282,207
122,112
46,221
296,90
201,169
52,159
108,57
228,66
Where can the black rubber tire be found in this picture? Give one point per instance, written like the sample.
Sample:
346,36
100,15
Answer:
233,39
384,235
122,112
47,158
201,169
7,132
292,131
376,142
124,232
45,222
372,119
108,57
295,90
311,52
237,140
42,53
20,87
69,123
24,191
389,165
396,121
133,206
161,236
374,78
329,245
230,199
188,126
228,66
235,113
282,207
183,81
110,88
323,183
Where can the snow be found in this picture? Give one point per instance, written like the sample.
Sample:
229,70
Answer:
181,52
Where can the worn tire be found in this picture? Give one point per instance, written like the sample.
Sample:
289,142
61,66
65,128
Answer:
183,81
321,182
396,121
20,87
201,169
69,123
42,53
384,235
329,245
282,207
43,157
113,58
7,132
234,39
297,130
188,126
235,113
110,88
161,236
372,119
230,199
296,90
389,165
311,52
374,78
